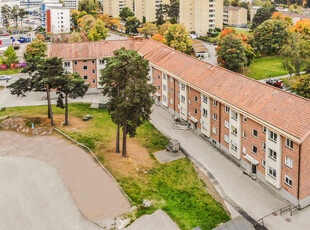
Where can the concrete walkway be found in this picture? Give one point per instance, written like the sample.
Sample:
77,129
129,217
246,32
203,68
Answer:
279,77
95,193
33,197
240,192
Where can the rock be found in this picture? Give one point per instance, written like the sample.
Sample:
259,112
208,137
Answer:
147,203
89,117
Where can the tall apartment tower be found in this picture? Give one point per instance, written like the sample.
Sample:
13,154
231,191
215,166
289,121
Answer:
200,15
113,7
147,9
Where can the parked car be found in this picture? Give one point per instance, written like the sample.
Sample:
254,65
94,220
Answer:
5,77
275,82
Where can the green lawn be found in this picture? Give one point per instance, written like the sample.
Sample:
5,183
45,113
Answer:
10,71
174,187
261,68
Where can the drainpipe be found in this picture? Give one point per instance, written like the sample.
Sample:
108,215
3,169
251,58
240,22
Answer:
298,188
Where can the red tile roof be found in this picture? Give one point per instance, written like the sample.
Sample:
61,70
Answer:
277,108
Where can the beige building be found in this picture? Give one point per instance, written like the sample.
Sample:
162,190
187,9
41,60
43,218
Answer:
147,9
113,7
253,11
198,16
235,16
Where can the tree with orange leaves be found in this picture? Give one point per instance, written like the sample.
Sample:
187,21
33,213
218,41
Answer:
302,27
159,38
281,17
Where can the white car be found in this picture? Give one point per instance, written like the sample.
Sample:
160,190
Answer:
5,77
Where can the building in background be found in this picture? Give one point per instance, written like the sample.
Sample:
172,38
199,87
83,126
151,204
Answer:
199,16
235,16
57,20
147,9
71,4
253,11
296,17
113,7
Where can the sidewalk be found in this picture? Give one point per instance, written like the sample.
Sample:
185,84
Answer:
279,77
239,191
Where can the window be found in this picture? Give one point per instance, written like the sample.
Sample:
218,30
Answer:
234,130
154,79
254,133
178,106
85,67
234,115
272,154
178,94
171,90
254,149
288,162
205,112
182,86
158,88
288,181
93,61
75,62
214,116
178,83
189,89
215,103
244,134
164,87
205,99
94,71
182,98
227,124
171,102
182,110
164,76
195,111
189,101
85,77
273,136
85,61
164,98
289,143
264,129
264,146
158,77
67,64
195,98
244,150
226,138
234,146
171,79
214,130
263,163
272,172
244,119
227,109
94,81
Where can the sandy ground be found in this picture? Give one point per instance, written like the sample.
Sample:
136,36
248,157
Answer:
94,192
33,197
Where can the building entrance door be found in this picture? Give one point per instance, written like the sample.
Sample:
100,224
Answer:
254,168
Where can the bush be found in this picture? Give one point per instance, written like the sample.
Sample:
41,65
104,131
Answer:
218,29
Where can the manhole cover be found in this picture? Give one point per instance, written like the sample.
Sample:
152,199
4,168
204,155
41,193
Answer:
274,214
288,219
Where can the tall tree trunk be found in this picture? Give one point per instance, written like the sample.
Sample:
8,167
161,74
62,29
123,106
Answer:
48,108
67,110
117,138
49,104
124,139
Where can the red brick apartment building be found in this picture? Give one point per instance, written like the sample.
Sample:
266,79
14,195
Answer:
261,128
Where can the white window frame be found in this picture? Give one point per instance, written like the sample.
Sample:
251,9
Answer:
84,67
182,98
244,150
171,101
273,172
253,146
244,119
182,86
214,130
205,99
226,138
264,146
171,79
253,133
234,115
287,179
195,111
289,143
272,154
264,129
288,162
263,163
215,103
195,98
234,130
234,146
205,112
227,109
226,124
214,116
171,90
273,136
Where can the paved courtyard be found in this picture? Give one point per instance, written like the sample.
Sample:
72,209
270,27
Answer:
94,192
33,197
239,191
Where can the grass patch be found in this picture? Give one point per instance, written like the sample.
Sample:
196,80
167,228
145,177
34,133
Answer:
173,187
261,68
10,71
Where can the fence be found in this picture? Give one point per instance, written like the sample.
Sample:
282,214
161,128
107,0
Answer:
104,168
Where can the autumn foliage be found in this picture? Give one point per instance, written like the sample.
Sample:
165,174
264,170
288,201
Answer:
302,27
159,38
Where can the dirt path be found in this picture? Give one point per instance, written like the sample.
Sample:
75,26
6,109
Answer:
94,192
